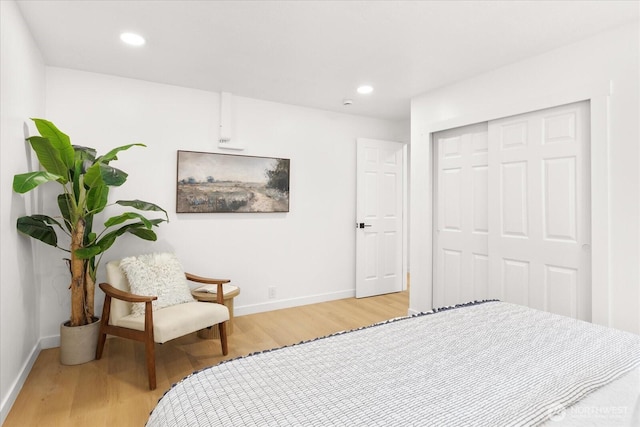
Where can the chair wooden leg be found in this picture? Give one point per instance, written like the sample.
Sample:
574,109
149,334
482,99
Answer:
222,328
149,345
151,363
106,312
102,338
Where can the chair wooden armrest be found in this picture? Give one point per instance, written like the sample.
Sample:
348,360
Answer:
207,280
210,281
125,296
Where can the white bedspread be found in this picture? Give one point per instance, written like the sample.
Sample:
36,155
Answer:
488,364
614,405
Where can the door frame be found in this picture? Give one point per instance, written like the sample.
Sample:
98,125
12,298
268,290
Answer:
405,209
598,94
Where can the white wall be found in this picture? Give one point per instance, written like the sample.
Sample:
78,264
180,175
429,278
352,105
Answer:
22,82
307,254
543,81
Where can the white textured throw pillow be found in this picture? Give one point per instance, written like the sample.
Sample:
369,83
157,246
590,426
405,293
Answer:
161,275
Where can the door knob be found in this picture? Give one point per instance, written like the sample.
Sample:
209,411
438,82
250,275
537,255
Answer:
362,225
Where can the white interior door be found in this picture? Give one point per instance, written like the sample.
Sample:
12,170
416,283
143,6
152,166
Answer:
539,210
512,212
461,226
379,221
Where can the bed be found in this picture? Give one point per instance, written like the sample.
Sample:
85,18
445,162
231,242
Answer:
486,363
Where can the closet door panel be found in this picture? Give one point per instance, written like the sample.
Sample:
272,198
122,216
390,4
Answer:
461,223
539,210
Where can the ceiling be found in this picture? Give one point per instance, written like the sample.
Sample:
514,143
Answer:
313,53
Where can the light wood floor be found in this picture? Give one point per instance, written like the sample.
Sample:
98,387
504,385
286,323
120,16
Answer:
113,391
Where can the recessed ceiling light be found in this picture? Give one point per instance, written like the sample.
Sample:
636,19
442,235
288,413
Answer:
132,39
365,89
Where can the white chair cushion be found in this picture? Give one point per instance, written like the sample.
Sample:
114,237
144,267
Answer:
117,279
178,320
160,275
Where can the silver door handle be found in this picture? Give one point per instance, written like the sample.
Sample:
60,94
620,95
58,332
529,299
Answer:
362,225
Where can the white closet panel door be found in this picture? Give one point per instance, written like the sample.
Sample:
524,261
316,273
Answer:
461,260
539,210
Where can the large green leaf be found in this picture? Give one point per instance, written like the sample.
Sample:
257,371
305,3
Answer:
37,226
84,153
47,219
138,229
84,159
143,233
93,177
119,219
88,252
91,236
112,176
97,198
88,230
77,178
65,204
25,182
102,174
143,206
109,238
49,157
112,155
58,139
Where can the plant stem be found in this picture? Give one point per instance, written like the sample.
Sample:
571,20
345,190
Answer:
90,288
78,297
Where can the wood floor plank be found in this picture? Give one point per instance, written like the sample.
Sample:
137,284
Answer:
114,391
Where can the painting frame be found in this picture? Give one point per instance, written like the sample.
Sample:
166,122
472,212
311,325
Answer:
231,183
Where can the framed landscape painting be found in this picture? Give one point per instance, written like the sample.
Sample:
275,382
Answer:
211,182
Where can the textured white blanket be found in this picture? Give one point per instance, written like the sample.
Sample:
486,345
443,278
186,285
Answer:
486,364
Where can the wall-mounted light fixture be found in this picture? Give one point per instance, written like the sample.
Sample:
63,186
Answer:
226,123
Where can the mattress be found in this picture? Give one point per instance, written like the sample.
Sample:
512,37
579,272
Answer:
478,364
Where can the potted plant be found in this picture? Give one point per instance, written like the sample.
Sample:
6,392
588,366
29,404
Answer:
85,179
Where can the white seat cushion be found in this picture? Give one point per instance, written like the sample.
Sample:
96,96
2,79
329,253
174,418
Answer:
178,320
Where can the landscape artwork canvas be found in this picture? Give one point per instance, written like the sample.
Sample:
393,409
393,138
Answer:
211,182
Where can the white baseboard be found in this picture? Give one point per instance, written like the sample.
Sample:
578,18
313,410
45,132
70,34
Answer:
291,302
50,342
412,312
15,388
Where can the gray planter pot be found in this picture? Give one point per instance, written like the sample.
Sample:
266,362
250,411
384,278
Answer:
78,343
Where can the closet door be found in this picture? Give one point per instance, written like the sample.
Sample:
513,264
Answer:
461,226
539,210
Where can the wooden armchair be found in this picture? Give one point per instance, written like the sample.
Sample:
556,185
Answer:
160,325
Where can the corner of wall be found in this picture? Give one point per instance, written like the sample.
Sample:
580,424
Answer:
22,81
13,391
